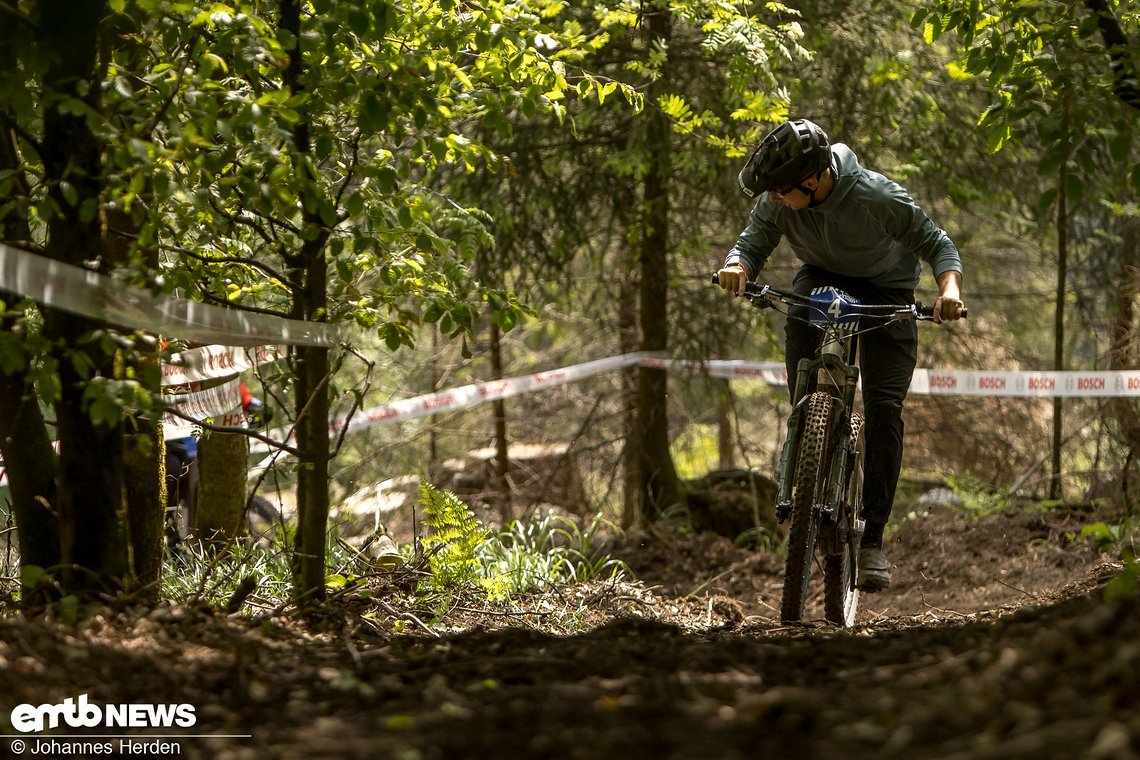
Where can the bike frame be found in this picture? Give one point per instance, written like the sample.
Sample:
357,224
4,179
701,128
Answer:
836,360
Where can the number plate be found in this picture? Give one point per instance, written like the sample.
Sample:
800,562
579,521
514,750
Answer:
831,305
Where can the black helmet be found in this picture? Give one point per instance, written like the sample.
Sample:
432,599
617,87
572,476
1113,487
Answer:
790,153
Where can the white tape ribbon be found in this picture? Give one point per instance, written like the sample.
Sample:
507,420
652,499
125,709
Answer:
221,403
1072,384
212,362
90,294
925,382
471,395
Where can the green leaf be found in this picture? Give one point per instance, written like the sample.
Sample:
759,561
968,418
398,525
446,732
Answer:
33,575
404,214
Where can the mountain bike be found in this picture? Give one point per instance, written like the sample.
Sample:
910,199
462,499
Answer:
821,465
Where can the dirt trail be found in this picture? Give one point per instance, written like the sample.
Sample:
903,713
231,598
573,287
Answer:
995,643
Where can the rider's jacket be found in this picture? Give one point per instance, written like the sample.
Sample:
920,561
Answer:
867,227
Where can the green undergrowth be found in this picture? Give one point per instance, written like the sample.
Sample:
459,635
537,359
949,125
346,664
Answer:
459,561
467,562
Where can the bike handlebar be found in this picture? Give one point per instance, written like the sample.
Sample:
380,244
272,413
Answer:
760,295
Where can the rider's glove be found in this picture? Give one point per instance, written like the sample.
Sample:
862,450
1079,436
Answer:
256,413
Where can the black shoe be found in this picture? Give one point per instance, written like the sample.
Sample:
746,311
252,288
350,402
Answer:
874,570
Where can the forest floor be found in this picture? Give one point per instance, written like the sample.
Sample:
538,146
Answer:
995,641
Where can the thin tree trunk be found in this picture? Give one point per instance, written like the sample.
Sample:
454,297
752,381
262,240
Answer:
311,363
1125,352
660,485
1055,486
144,453
627,330
726,448
502,455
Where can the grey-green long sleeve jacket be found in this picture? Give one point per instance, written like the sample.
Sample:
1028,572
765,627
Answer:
867,227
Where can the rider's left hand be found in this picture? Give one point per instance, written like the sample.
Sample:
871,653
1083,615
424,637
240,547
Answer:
947,309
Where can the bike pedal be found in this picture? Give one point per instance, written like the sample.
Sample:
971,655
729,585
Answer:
783,512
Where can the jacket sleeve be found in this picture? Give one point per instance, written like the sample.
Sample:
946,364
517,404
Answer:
758,240
911,227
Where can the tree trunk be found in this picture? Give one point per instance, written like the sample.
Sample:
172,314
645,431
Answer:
220,513
1055,486
1125,353
312,432
31,464
144,459
660,485
724,443
144,468
309,267
25,445
627,330
90,504
502,456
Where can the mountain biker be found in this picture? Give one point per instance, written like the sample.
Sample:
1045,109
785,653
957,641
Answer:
182,474
858,231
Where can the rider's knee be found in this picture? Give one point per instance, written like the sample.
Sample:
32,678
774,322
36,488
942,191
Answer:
883,405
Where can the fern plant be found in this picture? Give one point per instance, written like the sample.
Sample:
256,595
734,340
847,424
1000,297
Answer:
452,551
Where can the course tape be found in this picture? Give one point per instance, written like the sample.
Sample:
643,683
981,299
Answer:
935,382
213,362
90,294
220,402
468,396
932,382
949,382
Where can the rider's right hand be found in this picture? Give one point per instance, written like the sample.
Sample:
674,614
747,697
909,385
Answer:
733,278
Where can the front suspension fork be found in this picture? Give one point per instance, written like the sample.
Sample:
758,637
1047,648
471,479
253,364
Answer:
840,455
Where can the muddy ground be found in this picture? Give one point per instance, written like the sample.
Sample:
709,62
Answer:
995,642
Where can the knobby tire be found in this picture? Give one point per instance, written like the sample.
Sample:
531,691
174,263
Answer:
807,490
840,597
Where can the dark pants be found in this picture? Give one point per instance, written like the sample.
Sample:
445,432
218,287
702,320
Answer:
887,358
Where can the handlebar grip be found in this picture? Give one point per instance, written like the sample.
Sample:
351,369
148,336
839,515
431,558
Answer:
928,311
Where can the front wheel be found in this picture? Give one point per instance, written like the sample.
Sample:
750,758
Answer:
840,597
808,484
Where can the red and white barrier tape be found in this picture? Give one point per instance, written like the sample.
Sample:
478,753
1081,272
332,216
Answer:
1073,384
477,393
222,403
214,362
925,382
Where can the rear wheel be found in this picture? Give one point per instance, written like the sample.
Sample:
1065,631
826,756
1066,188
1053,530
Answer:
807,491
262,518
841,598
